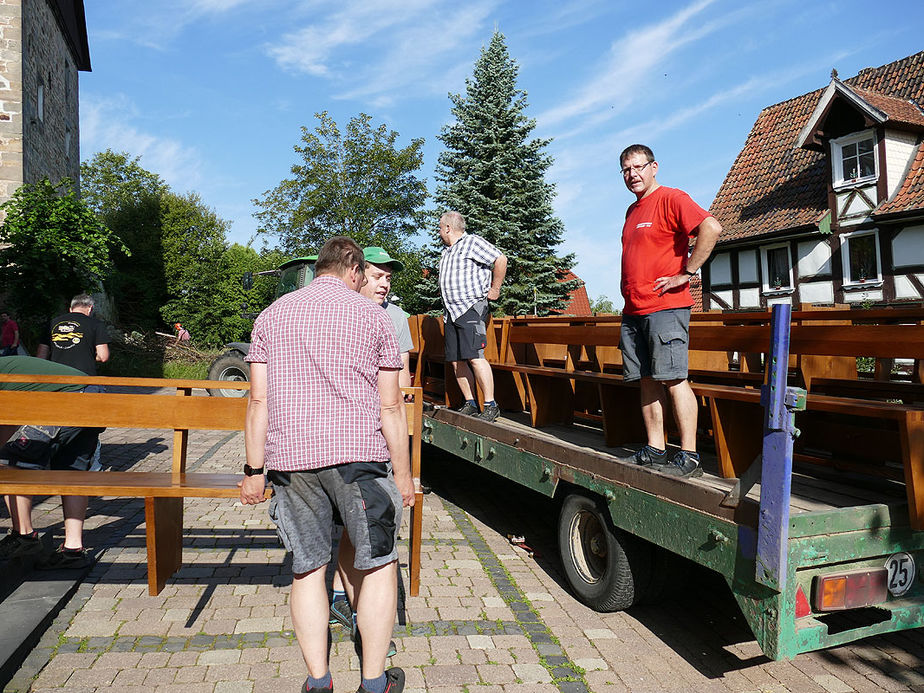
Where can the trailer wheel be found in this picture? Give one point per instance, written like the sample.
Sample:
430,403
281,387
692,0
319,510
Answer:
230,366
608,569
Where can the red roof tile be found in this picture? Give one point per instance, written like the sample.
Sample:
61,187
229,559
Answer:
897,111
696,290
772,186
579,303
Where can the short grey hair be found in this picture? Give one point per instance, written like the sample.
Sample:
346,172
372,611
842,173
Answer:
82,301
455,220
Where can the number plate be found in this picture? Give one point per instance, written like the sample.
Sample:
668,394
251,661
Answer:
902,572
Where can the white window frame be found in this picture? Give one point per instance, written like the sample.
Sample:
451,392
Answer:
765,267
848,281
837,158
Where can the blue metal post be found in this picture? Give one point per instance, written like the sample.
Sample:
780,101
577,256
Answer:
780,403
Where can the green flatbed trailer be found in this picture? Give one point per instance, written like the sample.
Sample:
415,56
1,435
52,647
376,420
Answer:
812,563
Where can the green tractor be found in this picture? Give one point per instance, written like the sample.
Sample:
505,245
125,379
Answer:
231,366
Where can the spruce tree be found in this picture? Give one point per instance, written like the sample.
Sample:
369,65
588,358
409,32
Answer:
493,173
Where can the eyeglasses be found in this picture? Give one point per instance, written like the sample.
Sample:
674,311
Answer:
637,169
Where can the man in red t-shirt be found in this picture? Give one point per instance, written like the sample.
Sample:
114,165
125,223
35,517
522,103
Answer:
656,270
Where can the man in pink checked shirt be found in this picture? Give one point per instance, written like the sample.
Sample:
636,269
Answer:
325,417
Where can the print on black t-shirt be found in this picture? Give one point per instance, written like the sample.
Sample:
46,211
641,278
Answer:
73,340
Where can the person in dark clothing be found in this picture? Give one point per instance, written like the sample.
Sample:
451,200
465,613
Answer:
76,339
69,448
9,335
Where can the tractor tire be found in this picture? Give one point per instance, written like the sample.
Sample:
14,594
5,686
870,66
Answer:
229,366
609,570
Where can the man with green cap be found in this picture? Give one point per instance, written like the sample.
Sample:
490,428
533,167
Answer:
379,268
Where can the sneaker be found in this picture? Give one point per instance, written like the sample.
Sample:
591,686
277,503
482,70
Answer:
64,559
341,613
19,546
648,457
490,413
358,643
683,463
467,409
395,678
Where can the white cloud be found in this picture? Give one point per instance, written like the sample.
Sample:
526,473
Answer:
157,25
109,124
631,61
311,48
415,44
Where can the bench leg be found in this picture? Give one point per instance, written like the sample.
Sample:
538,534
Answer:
416,532
551,401
622,415
912,435
509,391
163,519
736,428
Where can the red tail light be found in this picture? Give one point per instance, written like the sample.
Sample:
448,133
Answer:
802,605
851,590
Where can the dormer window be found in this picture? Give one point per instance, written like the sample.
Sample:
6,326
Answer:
853,158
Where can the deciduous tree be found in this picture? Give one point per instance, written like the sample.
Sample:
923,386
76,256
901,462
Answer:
358,184
55,247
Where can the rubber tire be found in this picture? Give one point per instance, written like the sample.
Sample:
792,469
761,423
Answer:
229,366
608,569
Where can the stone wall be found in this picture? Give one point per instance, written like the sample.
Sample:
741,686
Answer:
36,140
51,147
11,174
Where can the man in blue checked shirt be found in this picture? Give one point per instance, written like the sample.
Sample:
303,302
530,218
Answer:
471,273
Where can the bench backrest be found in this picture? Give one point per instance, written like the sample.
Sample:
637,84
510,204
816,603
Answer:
182,413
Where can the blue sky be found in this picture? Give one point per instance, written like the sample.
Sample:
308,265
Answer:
211,94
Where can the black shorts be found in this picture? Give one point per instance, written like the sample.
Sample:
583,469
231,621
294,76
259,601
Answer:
466,336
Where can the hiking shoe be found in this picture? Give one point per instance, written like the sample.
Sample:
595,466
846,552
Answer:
467,409
19,546
648,457
490,413
64,559
683,463
341,613
395,678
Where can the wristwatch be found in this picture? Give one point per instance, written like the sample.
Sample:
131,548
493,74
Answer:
250,471
688,272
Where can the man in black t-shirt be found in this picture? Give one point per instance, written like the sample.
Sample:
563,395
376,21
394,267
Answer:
76,339
68,448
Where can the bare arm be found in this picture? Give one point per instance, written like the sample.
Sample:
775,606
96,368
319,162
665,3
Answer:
394,428
498,272
255,426
15,343
707,233
404,375
42,352
102,353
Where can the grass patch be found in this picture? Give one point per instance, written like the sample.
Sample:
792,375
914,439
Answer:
140,356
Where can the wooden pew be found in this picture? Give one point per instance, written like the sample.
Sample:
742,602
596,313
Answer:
163,492
849,433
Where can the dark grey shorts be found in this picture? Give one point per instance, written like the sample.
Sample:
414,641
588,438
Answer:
466,336
366,498
655,345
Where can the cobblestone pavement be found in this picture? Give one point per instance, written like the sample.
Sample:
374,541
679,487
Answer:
489,618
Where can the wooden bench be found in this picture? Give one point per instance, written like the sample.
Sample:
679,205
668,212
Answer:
845,432
163,492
